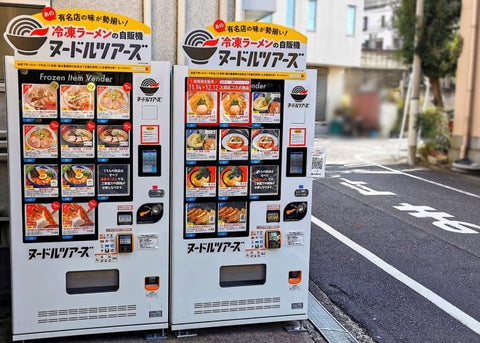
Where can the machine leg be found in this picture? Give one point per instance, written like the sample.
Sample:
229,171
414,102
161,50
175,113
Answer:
156,335
185,333
296,328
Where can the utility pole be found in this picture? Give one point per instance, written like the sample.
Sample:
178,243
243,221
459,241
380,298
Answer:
414,101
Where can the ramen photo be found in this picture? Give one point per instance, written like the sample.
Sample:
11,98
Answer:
232,176
265,141
41,138
234,142
201,103
76,176
113,136
234,103
40,97
77,136
112,99
41,176
77,98
199,177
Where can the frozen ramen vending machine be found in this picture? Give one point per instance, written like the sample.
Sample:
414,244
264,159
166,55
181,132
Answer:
89,189
242,200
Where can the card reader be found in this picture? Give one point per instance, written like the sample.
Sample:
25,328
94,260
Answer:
124,243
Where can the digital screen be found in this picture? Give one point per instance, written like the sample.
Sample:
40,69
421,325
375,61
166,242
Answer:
124,218
149,159
296,163
125,240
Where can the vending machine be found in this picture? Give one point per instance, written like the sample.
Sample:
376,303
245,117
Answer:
241,203
89,167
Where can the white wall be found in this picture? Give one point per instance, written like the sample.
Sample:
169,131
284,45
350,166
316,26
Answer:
374,26
329,44
336,81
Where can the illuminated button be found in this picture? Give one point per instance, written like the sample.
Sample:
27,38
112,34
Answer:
156,193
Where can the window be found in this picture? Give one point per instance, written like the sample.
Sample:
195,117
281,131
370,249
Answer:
351,14
312,15
266,19
365,23
291,13
9,9
383,21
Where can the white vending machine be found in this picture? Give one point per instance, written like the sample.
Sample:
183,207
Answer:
241,202
89,166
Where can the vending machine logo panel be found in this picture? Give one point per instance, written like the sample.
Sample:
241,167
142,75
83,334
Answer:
58,40
246,49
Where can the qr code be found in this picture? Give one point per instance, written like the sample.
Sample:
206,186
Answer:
317,163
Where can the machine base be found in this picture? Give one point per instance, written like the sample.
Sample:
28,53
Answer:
259,320
91,331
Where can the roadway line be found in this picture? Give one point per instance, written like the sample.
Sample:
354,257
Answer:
434,298
419,178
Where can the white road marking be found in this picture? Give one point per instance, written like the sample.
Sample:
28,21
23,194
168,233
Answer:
420,178
431,296
360,186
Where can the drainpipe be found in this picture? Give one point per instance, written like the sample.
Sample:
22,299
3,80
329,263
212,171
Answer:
180,30
222,10
471,81
147,13
239,16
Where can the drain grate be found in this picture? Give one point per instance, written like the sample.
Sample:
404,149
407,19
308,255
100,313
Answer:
328,326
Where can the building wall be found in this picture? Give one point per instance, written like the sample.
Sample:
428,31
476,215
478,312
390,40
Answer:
374,27
330,44
461,95
329,47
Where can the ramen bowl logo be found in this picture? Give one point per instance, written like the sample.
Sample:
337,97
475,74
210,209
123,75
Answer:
199,45
149,86
299,93
25,34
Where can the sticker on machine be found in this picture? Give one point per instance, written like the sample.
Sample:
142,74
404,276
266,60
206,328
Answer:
148,241
319,159
297,136
295,238
150,134
264,180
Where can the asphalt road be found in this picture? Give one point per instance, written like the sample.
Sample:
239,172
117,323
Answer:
398,249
